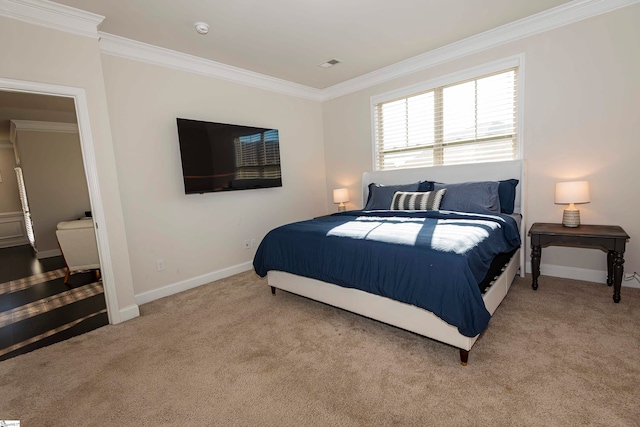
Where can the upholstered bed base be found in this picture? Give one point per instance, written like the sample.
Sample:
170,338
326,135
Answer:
392,312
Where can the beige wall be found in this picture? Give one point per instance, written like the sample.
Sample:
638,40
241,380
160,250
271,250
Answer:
199,234
39,54
582,97
9,196
55,182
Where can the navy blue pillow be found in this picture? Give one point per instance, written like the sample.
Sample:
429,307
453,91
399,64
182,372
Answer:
380,196
477,197
507,195
425,186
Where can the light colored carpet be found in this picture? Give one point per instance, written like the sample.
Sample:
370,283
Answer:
230,354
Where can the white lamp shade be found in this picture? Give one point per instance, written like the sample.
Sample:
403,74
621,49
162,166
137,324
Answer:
340,195
572,192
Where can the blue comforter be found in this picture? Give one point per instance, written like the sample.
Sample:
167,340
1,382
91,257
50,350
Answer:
430,259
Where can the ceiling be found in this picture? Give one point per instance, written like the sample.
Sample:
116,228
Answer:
288,39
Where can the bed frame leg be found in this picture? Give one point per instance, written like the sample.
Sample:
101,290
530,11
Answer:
464,357
273,290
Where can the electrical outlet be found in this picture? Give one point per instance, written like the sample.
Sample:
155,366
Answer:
160,264
247,244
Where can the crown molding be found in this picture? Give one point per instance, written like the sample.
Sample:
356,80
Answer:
52,15
126,48
566,14
37,126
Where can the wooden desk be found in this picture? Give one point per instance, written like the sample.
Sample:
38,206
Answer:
609,238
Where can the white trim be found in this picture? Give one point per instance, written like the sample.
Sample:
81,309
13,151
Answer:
48,254
52,15
91,172
38,126
11,243
11,240
130,312
130,49
630,284
194,282
586,275
556,17
520,100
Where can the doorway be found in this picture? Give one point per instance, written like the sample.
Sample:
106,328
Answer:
43,273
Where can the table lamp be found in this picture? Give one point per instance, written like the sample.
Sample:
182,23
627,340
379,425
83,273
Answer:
571,193
341,195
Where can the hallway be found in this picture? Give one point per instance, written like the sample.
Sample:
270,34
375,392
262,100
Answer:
37,309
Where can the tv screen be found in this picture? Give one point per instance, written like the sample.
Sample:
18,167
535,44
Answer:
226,157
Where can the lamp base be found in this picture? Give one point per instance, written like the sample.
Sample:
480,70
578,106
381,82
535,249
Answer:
571,218
342,207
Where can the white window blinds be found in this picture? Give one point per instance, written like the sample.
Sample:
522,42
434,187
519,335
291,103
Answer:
464,122
25,207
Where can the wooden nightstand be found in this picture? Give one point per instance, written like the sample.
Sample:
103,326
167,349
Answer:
609,238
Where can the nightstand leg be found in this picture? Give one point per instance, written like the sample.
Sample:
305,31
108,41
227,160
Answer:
536,254
618,271
610,256
273,290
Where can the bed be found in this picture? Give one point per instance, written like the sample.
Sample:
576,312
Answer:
411,267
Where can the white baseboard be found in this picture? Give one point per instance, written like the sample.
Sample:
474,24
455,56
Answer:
48,254
13,242
12,230
184,285
597,276
129,313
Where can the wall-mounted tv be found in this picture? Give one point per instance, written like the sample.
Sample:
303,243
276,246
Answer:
226,157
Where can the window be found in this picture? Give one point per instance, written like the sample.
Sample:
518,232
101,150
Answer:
466,121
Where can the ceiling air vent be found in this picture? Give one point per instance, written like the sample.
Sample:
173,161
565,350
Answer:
330,63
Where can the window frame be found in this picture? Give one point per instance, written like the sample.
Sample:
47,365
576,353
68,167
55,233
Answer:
450,79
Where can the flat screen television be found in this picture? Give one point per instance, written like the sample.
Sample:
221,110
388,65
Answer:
227,157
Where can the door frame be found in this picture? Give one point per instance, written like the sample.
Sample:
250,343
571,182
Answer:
91,172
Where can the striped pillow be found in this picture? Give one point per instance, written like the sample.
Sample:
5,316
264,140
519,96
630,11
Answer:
422,201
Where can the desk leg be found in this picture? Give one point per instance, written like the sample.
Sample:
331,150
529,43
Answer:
536,254
618,271
610,256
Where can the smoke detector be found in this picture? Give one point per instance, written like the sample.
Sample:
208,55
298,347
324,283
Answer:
329,63
201,27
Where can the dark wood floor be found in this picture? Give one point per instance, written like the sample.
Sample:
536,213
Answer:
37,309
